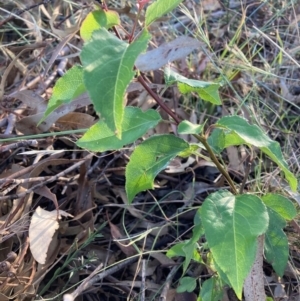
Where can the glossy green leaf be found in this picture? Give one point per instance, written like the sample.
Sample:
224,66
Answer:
253,135
186,127
108,69
232,225
66,89
211,290
96,20
160,8
206,90
148,159
280,209
136,123
186,284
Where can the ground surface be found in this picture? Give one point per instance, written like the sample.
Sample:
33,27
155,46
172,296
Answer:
253,47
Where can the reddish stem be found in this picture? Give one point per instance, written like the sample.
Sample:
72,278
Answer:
158,100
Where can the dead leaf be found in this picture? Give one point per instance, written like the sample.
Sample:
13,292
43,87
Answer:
67,30
166,53
123,244
211,5
42,228
154,229
130,207
74,121
28,125
286,93
234,160
46,192
151,266
163,259
32,100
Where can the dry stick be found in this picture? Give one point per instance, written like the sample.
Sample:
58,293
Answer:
127,290
27,143
163,295
32,180
52,179
90,282
6,73
143,286
28,47
20,12
85,283
11,124
108,164
27,170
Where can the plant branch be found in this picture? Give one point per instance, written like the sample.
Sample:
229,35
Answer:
217,163
134,27
200,138
158,100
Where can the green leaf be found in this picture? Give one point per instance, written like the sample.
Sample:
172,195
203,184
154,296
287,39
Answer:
160,8
217,140
276,243
187,284
253,135
222,138
66,89
108,69
136,123
148,159
198,229
193,148
206,90
186,127
96,20
280,209
176,250
231,138
190,250
232,225
211,290
281,205
186,249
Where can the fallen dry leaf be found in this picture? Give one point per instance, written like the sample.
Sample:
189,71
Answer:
42,228
123,244
166,53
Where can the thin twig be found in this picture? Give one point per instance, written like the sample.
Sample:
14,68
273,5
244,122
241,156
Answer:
22,11
163,295
11,146
247,172
96,278
52,179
